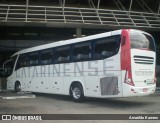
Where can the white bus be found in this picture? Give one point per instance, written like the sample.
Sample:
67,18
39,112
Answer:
119,63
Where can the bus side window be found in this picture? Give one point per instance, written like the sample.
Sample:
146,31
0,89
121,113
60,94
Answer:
62,54
46,56
82,51
33,58
106,47
22,61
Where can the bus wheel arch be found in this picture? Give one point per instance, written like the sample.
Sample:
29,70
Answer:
17,86
76,91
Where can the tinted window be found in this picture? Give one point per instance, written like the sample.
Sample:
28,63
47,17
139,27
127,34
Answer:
106,47
46,56
33,58
141,41
62,54
22,61
82,51
8,67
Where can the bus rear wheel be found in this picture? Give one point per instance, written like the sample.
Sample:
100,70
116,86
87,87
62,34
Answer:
77,92
17,87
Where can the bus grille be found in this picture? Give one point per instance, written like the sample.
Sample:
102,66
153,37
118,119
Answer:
109,85
143,59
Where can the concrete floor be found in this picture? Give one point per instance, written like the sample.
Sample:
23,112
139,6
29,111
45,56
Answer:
56,104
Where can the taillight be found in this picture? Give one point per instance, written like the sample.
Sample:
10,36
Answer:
128,77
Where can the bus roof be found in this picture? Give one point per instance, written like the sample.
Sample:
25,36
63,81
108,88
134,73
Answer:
69,41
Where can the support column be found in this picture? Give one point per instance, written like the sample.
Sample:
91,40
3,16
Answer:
27,2
158,10
78,32
98,4
130,6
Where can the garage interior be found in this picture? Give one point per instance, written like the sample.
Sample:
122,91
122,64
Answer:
27,23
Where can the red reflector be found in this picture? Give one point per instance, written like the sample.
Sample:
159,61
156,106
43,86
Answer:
145,89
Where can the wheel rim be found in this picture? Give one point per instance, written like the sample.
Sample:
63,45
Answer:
76,93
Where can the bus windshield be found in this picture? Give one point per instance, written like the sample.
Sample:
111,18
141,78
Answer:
141,41
8,66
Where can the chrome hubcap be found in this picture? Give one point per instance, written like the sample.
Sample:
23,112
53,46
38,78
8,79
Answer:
76,93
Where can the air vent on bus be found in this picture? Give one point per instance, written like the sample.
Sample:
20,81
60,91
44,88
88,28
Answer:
143,59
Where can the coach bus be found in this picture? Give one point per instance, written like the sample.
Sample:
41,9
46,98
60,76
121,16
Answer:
114,64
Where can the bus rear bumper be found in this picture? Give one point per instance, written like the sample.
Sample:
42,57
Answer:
138,91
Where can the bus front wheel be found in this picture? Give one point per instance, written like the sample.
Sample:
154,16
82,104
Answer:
17,87
77,92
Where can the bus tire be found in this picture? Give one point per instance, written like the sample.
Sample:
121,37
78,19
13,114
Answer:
77,93
17,87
